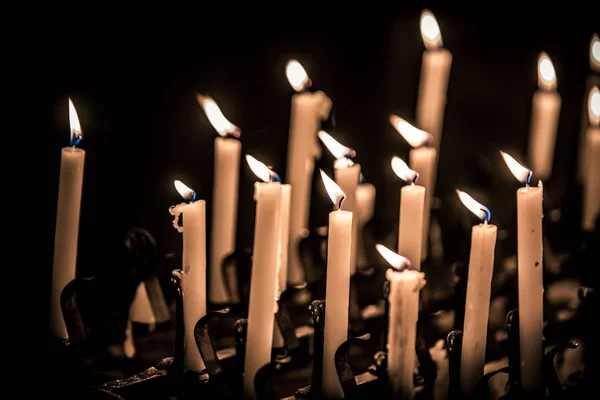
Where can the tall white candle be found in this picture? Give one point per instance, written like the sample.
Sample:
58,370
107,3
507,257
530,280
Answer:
591,186
193,279
225,197
307,111
477,304
433,85
403,299
68,207
261,306
365,209
410,225
422,158
530,277
284,238
544,119
337,291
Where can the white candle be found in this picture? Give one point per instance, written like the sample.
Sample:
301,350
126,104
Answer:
261,307
284,237
365,209
307,111
433,85
591,186
412,202
544,119
423,159
477,303
337,291
193,279
403,299
530,277
68,206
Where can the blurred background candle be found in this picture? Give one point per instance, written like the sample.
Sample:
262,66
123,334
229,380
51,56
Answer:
307,112
591,185
284,238
544,119
435,71
64,265
337,291
477,303
365,209
225,197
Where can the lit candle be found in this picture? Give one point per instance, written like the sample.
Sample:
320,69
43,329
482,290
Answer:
284,238
307,112
68,206
262,305
479,288
423,159
435,71
193,278
544,119
530,277
347,176
403,299
337,290
412,202
365,209
591,187
225,197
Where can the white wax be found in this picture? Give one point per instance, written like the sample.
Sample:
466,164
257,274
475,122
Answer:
259,338
68,206
592,80
477,306
365,208
337,297
348,178
433,85
530,286
224,213
410,227
542,136
307,110
284,238
591,185
424,161
402,329
140,310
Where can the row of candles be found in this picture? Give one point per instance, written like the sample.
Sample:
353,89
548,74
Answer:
282,221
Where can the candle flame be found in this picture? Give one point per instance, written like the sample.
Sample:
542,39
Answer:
336,194
397,261
414,136
522,174
595,53
594,106
481,211
430,31
297,76
263,172
337,149
402,171
185,191
343,163
76,134
546,73
216,117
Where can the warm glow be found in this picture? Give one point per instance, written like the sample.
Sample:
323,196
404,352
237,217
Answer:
595,53
594,106
546,73
481,211
397,261
297,76
335,193
260,170
76,133
522,174
337,149
185,192
430,30
414,136
402,171
343,162
216,117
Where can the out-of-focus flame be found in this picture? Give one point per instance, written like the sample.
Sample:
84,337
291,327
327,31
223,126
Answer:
76,134
263,172
520,172
337,149
297,76
481,211
594,106
414,136
595,52
335,193
397,261
343,163
185,191
430,31
216,117
546,73
402,171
